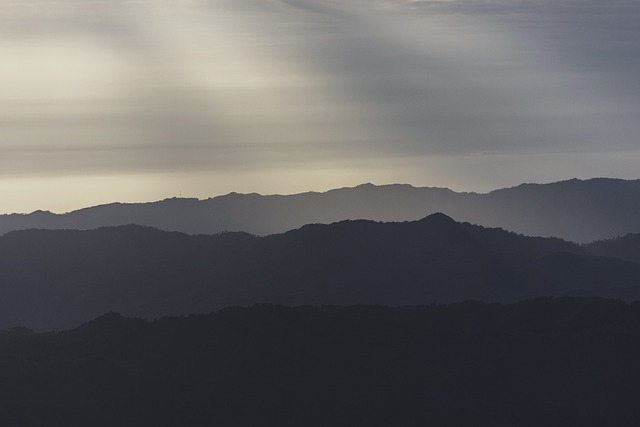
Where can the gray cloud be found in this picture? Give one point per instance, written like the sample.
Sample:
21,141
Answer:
275,86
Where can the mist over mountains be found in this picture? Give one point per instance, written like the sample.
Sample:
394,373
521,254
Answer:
429,321
575,210
377,305
53,279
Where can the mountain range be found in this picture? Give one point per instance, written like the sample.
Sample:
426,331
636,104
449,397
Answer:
543,362
55,279
575,210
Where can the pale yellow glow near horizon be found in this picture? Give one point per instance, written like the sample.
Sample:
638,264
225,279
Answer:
64,194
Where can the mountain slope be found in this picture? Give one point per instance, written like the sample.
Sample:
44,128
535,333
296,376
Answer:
51,279
625,247
580,211
545,362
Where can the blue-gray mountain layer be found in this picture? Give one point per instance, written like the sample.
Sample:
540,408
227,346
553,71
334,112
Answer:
575,210
52,279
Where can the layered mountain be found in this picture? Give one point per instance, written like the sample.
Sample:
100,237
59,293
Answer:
580,211
544,362
52,279
625,247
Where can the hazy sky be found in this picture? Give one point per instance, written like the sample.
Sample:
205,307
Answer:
120,100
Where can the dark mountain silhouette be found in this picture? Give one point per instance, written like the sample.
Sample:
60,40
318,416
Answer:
52,279
626,247
580,211
545,362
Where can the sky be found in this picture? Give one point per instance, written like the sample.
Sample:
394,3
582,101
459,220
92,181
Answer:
140,100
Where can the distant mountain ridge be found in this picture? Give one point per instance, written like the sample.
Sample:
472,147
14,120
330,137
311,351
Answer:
53,279
580,211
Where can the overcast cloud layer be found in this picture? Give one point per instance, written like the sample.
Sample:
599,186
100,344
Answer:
139,100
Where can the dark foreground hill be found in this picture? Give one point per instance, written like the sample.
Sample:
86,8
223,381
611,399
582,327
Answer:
545,362
580,211
52,279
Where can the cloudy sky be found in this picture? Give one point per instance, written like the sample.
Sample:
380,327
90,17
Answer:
138,100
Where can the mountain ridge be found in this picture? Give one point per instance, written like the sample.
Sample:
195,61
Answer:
576,210
51,279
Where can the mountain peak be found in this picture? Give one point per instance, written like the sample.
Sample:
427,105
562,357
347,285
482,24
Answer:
576,210
439,218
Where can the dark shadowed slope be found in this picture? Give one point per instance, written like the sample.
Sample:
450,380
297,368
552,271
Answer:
50,279
546,362
55,278
580,211
626,247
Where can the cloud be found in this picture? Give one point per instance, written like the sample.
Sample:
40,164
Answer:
270,86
